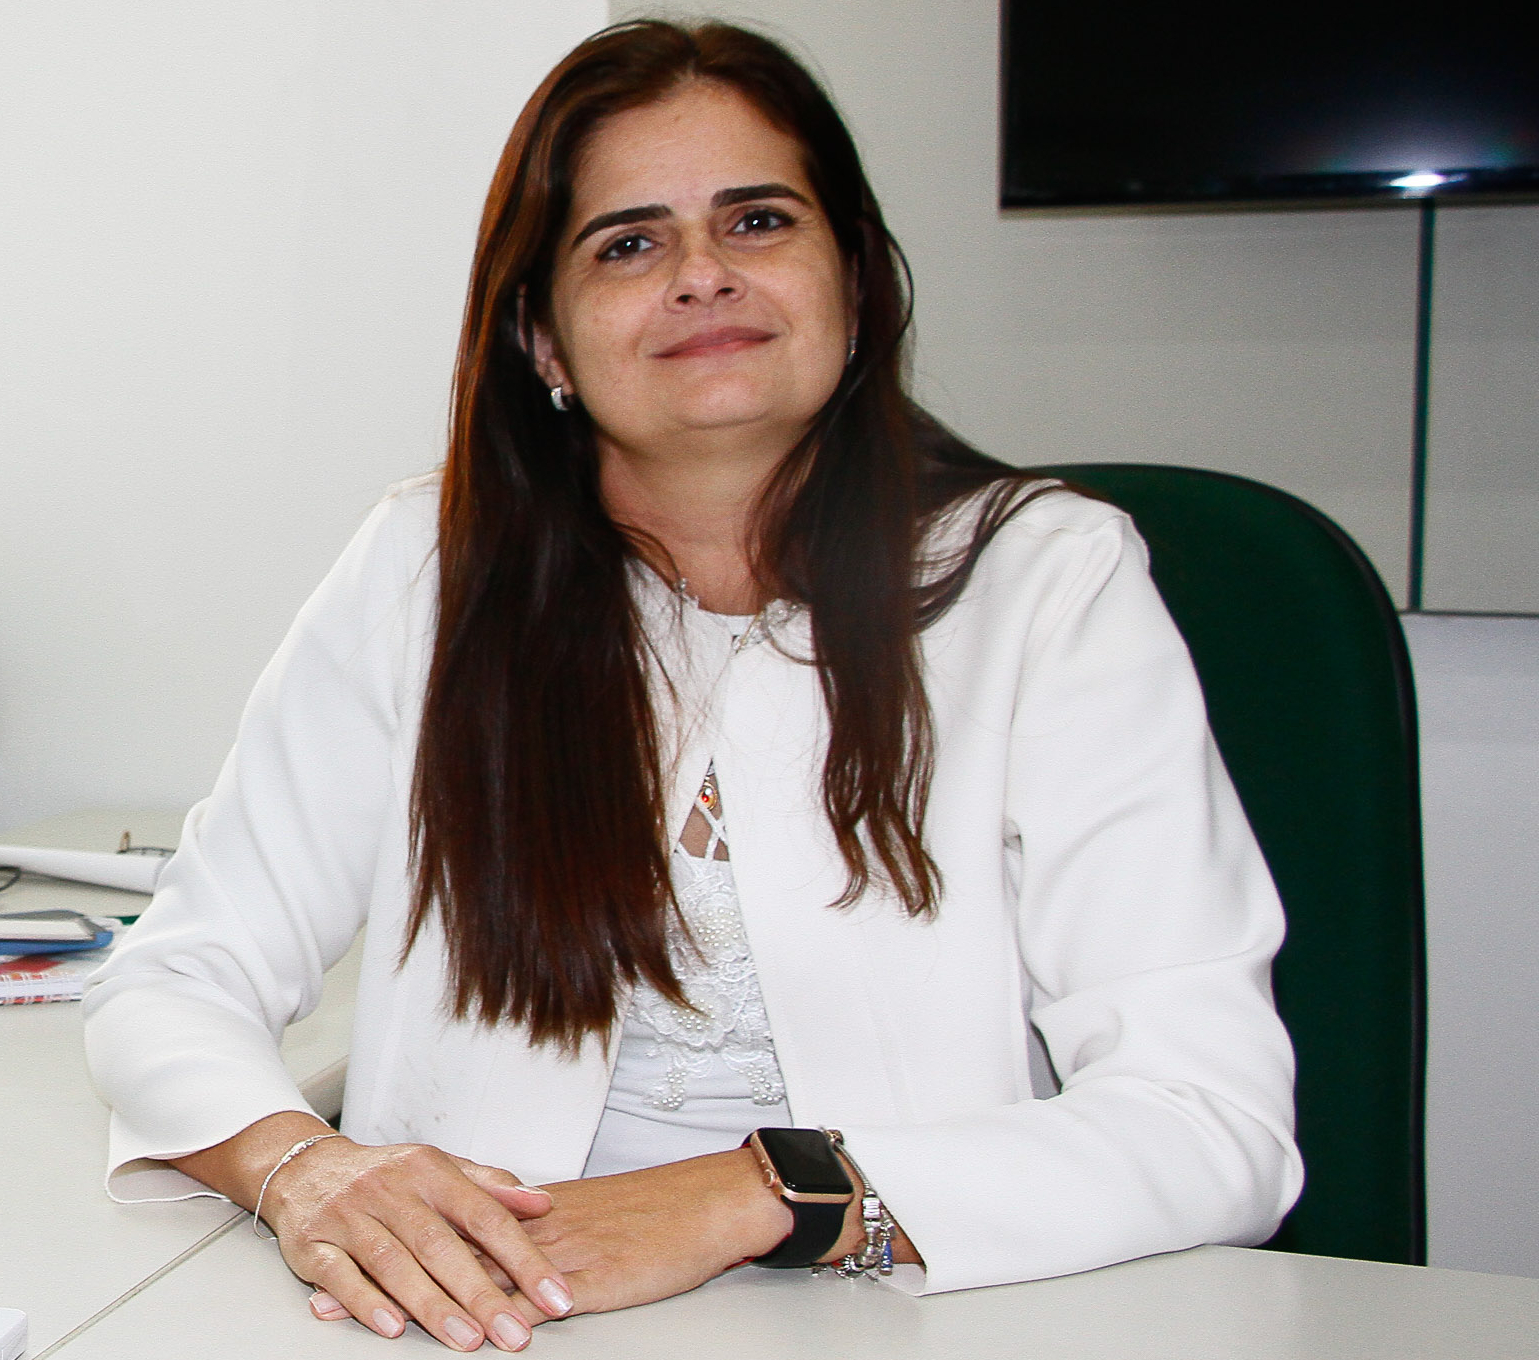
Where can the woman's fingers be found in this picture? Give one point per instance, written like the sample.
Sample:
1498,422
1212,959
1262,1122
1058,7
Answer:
525,1307
506,1253
327,1308
380,1280
523,1201
395,1233
450,1275
345,1290
485,1221
498,1275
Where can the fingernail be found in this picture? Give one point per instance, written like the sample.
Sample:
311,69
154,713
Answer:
324,1306
536,1190
555,1296
510,1331
387,1323
462,1333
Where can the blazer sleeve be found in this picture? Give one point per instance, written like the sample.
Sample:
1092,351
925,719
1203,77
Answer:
272,879
1146,922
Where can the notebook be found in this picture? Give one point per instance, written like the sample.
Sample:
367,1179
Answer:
13,1333
26,978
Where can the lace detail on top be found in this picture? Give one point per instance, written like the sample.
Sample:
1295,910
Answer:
716,970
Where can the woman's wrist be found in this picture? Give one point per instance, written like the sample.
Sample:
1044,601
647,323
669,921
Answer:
764,1220
298,1150
852,1239
238,1166
852,1235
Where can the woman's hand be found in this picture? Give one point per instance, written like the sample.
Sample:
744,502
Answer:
390,1233
650,1234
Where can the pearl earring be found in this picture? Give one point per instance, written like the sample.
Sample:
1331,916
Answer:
558,398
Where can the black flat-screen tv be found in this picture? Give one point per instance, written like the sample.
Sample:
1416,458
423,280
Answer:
1176,102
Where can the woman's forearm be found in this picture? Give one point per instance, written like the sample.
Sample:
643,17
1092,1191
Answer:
649,1234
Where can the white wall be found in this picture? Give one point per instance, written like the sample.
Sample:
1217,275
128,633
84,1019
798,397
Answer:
233,250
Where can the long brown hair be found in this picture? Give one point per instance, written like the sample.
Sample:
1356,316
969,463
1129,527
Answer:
538,802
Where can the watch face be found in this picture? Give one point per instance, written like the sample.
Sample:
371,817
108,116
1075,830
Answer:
805,1161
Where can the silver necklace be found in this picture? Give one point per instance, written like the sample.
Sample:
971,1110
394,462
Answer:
773,614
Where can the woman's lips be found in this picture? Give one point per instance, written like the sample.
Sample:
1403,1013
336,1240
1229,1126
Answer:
722,337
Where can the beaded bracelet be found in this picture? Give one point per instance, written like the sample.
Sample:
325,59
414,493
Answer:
283,1161
874,1256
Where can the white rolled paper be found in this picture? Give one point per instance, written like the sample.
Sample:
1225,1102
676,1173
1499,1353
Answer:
136,873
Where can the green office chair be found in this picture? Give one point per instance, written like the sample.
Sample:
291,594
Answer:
1309,692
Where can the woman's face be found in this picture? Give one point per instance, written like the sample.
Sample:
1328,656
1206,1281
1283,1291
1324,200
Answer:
698,286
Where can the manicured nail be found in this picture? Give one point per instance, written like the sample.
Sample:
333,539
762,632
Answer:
387,1323
462,1333
510,1331
555,1296
324,1306
536,1190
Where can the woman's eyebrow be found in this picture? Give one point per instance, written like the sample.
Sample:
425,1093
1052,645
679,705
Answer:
725,198
652,212
622,217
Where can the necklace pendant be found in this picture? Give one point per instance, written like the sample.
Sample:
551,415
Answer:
750,635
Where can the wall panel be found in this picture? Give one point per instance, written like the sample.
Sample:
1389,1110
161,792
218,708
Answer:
1483,457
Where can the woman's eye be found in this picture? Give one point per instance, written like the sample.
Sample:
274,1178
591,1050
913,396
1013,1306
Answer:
626,247
761,220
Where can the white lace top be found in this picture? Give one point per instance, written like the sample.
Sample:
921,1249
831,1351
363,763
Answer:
687,1082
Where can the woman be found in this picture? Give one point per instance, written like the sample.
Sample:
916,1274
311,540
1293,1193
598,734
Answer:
717,745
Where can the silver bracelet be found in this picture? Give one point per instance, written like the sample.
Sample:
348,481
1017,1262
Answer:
874,1256
283,1161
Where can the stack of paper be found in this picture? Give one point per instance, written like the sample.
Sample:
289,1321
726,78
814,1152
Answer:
47,955
13,1333
135,872
47,977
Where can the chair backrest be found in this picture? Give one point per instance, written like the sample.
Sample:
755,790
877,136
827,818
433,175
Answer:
1308,684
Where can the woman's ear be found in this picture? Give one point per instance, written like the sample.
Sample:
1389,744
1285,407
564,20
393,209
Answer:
852,302
540,344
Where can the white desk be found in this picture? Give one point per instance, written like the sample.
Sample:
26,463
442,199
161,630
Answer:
189,1281
66,1251
235,1299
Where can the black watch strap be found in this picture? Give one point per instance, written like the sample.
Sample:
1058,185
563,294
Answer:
816,1229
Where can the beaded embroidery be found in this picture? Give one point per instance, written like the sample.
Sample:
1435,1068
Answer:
715,968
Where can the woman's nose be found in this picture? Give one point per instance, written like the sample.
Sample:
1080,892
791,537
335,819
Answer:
703,274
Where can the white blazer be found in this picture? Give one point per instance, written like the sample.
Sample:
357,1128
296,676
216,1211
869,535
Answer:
1099,882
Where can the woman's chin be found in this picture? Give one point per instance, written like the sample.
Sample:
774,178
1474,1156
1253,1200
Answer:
774,412
744,406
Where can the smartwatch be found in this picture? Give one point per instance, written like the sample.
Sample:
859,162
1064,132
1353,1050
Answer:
801,1166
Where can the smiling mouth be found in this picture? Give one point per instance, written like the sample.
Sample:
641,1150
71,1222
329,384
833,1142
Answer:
723,338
